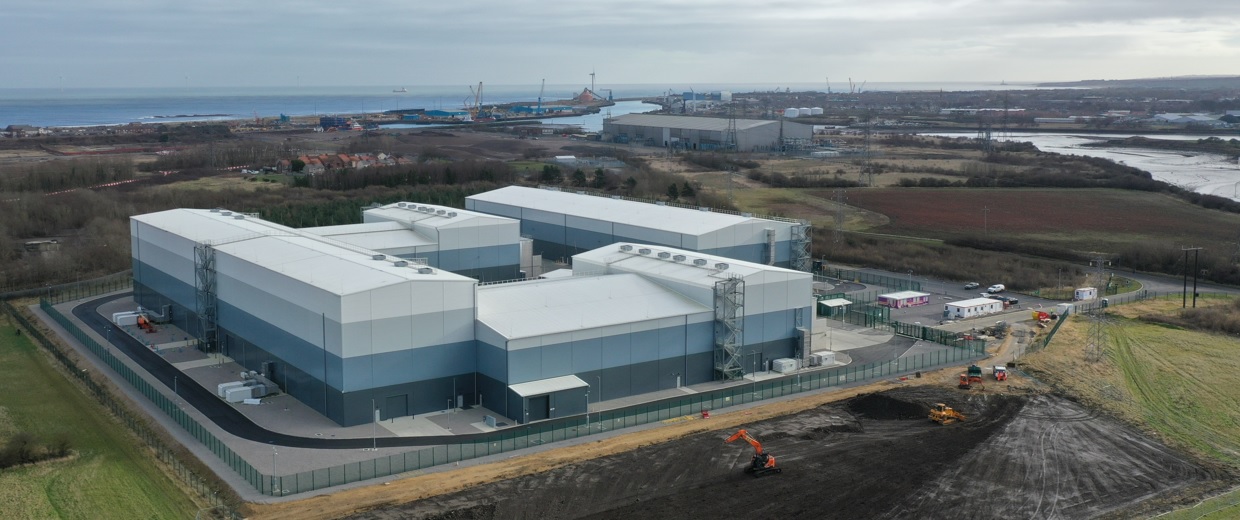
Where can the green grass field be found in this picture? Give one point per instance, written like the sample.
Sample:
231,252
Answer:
1181,385
110,476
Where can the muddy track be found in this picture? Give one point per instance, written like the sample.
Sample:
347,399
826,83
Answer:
875,456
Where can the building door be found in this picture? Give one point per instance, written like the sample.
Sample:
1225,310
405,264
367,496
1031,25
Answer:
395,406
539,408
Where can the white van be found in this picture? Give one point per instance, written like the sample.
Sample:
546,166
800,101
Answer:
996,288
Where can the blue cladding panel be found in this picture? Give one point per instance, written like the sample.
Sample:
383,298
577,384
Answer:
553,233
170,287
615,351
770,326
587,240
524,365
492,362
587,355
671,342
701,337
303,355
645,346
557,360
409,365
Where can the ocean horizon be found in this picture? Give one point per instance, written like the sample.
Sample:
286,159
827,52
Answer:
79,107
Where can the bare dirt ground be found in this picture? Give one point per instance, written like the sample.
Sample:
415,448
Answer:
873,456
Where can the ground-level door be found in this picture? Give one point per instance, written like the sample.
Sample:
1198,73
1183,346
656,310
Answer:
539,408
394,406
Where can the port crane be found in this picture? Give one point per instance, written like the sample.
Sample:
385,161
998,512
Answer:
763,463
540,96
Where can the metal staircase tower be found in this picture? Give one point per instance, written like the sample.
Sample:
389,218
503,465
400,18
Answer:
729,328
204,290
802,241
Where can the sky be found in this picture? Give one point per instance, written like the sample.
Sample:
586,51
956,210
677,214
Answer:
210,43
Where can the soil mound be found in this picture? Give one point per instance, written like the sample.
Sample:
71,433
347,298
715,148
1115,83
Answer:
882,407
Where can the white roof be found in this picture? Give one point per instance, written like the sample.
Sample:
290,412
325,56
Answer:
975,302
429,215
558,273
835,302
540,307
686,270
903,295
717,124
374,235
318,261
633,213
547,386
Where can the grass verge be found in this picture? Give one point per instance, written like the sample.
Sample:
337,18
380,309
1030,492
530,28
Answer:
109,476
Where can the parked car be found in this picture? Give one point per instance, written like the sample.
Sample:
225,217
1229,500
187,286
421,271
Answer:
996,288
972,285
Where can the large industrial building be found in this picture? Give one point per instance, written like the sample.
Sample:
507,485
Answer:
338,324
563,224
477,245
705,133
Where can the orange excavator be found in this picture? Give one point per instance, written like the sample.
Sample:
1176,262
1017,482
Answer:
763,463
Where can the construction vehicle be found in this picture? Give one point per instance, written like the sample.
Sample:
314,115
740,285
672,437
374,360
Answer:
1000,373
964,382
975,374
145,324
944,414
763,463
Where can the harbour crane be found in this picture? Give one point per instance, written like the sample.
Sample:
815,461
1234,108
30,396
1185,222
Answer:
540,95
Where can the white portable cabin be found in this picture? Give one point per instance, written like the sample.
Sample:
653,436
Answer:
1085,293
898,300
972,308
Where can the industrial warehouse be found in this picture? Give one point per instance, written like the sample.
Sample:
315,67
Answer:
562,224
344,316
704,133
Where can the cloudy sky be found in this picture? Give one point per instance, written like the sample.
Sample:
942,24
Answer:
164,43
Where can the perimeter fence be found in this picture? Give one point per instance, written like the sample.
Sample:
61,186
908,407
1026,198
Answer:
510,439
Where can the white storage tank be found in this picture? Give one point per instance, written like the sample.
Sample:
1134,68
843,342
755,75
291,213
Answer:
815,111
791,112
805,111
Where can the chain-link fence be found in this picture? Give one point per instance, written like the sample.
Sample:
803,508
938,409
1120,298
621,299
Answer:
72,291
896,283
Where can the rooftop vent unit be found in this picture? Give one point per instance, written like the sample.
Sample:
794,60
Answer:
700,262
215,210
226,213
581,193
424,209
664,255
721,266
378,257
643,251
616,197
678,258
400,263
441,212
660,203
238,217
626,248
425,270
704,208
451,213
401,204
747,215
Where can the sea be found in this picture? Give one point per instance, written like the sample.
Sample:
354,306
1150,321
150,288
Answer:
77,107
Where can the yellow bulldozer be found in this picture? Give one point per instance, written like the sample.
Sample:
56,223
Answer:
944,414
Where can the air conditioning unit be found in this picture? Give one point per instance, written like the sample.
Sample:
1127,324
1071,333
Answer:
643,251
626,248
721,266
664,255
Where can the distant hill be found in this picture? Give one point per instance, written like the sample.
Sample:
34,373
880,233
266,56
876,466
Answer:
1183,82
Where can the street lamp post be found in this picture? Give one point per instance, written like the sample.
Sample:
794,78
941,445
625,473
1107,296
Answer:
587,410
374,426
274,491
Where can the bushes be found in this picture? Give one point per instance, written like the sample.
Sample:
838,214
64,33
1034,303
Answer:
714,161
24,448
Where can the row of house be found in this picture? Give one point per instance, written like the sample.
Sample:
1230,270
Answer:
316,164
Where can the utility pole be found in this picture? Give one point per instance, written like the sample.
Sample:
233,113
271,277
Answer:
1184,302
